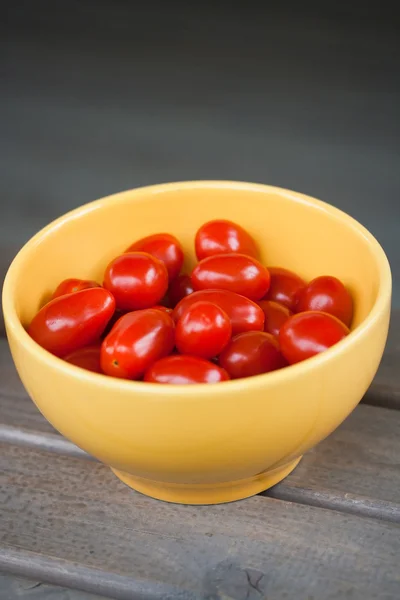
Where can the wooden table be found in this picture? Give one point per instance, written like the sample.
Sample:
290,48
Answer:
331,530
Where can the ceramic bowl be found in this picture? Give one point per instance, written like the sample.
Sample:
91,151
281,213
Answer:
202,444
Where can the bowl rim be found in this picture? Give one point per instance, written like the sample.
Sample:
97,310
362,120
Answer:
183,391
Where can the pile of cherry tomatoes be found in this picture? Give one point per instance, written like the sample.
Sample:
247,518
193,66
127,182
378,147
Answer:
232,317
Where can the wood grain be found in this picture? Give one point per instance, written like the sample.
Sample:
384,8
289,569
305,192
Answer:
356,469
75,510
385,390
12,587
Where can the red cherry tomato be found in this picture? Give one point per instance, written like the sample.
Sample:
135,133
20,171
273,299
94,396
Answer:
327,294
73,321
165,247
244,314
251,353
309,333
179,288
180,370
284,287
221,236
234,272
203,330
135,342
275,315
137,280
87,358
69,286
164,309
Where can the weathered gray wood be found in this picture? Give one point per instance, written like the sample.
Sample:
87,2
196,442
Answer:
70,509
81,577
12,587
16,408
360,459
354,470
44,441
385,390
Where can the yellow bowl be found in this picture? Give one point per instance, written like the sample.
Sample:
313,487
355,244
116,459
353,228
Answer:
202,444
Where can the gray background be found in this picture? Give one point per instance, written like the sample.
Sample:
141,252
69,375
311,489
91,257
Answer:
99,97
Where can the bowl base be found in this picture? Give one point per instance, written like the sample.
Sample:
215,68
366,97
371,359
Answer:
207,493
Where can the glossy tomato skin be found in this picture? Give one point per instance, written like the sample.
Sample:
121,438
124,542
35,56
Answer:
203,330
136,341
165,247
70,286
233,272
164,309
284,287
306,334
183,370
220,237
244,314
179,288
137,280
329,295
87,358
74,321
275,316
251,353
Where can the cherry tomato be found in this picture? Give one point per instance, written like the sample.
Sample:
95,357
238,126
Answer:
180,370
137,280
73,321
285,287
165,247
87,358
203,330
179,288
327,294
135,342
69,286
275,315
234,272
251,353
309,333
220,237
244,314
165,309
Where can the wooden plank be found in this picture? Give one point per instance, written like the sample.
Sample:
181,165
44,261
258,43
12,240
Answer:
16,408
69,509
12,587
73,575
385,390
354,470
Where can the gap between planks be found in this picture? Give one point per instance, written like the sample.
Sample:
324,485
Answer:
81,577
